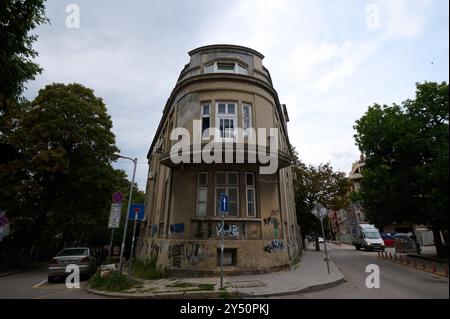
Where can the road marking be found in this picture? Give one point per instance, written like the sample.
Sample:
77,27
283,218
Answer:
52,294
41,283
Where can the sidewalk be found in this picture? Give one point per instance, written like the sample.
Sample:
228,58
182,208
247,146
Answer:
308,275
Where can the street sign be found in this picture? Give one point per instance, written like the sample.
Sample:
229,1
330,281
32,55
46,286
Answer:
117,197
136,212
319,211
224,204
114,215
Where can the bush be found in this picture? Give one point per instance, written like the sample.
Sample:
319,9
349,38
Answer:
114,282
148,269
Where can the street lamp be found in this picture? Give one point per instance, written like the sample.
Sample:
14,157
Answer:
134,160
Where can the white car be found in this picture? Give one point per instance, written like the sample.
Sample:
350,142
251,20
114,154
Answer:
320,240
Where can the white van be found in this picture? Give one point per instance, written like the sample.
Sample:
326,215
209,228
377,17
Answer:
367,236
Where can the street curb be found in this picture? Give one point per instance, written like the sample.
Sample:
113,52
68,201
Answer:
440,274
231,293
435,259
308,289
166,295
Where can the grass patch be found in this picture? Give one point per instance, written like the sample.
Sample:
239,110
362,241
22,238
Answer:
148,269
115,282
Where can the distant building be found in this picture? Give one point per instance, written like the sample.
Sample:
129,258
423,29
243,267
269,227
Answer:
223,87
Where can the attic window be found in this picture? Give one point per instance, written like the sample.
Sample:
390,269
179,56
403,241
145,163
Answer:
225,67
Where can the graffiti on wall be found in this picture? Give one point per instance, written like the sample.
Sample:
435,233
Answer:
192,253
229,230
274,245
176,228
273,220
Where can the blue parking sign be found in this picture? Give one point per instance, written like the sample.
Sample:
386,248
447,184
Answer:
136,210
223,203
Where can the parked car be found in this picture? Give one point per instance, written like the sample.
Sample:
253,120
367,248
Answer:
320,240
83,257
404,243
388,239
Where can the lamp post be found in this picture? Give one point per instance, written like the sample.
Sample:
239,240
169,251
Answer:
134,160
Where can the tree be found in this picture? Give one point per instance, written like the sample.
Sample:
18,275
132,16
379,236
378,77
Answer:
317,184
17,19
60,186
406,167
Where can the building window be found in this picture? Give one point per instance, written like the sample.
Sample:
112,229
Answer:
226,119
202,194
206,124
225,67
227,183
250,194
229,257
246,118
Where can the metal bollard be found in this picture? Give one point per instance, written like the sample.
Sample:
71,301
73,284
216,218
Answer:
401,259
390,256
433,267
395,257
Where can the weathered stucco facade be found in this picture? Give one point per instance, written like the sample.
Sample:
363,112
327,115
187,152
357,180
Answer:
227,87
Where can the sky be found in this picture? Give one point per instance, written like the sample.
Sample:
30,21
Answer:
329,60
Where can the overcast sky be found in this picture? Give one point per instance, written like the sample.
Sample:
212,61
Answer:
329,60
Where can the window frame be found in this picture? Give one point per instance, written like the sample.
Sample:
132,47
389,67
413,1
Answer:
201,187
203,116
227,186
227,116
250,119
247,201
236,66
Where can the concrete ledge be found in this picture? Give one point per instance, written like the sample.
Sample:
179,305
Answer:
297,291
165,295
214,294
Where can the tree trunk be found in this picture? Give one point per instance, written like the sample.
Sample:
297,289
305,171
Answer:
316,238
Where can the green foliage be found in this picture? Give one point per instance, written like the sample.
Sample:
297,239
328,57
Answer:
317,184
17,19
115,282
406,167
148,269
59,188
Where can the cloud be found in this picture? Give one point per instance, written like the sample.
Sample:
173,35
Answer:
326,65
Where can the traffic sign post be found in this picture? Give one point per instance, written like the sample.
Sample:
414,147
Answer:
321,212
138,211
223,211
114,218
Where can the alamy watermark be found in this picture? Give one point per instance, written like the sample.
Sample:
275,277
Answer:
73,279
373,279
73,17
373,16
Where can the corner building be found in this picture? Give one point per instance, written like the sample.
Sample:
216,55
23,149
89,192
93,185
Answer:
223,87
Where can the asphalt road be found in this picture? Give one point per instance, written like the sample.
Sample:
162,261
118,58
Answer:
34,285
396,281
